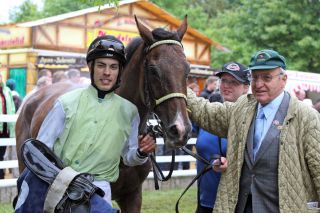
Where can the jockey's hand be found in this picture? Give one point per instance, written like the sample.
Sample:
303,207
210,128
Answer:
147,143
220,165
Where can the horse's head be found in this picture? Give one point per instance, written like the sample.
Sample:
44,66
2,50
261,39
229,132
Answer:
164,86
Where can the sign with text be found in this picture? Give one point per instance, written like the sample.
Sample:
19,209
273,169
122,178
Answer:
42,61
11,37
123,36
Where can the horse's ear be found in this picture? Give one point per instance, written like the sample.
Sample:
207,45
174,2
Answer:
144,32
183,27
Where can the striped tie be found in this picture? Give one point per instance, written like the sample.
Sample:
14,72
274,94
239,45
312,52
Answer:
258,130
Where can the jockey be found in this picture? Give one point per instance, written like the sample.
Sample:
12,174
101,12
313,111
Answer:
90,128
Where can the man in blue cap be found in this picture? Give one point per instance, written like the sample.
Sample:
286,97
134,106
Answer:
234,82
273,143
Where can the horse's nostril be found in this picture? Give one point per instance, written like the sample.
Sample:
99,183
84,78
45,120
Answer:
173,130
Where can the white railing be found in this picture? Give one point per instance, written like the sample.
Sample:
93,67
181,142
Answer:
11,164
8,142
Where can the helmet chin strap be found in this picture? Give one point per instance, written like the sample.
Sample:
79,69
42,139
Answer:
103,93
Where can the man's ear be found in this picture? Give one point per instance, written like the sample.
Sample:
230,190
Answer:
284,77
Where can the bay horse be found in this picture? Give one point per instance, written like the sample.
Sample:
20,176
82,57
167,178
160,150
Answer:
154,79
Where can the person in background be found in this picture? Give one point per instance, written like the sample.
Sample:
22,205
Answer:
210,87
85,80
317,105
46,73
273,143
234,82
301,94
195,88
6,108
74,75
11,83
42,82
59,76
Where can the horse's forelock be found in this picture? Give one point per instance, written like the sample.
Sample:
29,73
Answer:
162,34
158,35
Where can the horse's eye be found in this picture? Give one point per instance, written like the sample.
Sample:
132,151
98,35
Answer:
154,70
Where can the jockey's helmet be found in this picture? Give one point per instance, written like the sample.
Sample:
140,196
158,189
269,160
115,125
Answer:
106,47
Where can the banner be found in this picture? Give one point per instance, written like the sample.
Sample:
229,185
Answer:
123,36
15,37
60,62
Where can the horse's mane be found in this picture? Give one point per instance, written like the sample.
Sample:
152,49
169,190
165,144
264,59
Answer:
158,34
132,46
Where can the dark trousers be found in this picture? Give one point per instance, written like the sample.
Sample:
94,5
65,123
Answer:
2,152
202,209
248,208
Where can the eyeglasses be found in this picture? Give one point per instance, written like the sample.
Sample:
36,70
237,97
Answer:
264,77
232,83
107,45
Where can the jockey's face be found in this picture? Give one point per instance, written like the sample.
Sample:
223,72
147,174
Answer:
105,73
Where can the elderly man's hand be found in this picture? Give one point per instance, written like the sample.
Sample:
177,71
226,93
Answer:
220,166
147,143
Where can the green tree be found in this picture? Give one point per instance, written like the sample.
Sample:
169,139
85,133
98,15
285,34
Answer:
26,12
200,12
289,26
56,7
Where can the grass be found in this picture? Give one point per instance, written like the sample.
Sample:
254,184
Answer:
154,201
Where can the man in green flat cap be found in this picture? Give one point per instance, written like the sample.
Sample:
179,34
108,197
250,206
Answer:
274,144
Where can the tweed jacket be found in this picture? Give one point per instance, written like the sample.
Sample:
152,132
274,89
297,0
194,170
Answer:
299,149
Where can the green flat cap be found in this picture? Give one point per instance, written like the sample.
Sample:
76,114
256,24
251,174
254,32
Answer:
267,59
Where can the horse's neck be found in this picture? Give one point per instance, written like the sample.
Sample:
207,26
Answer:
132,84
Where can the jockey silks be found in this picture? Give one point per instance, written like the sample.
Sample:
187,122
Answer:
94,143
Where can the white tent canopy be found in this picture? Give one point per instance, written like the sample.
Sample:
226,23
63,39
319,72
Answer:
310,82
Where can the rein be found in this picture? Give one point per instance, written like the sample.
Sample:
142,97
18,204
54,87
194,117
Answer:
208,167
158,130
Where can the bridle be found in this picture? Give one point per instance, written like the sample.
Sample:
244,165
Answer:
152,104
147,88
158,130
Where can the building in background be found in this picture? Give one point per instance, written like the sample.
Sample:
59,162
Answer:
60,42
